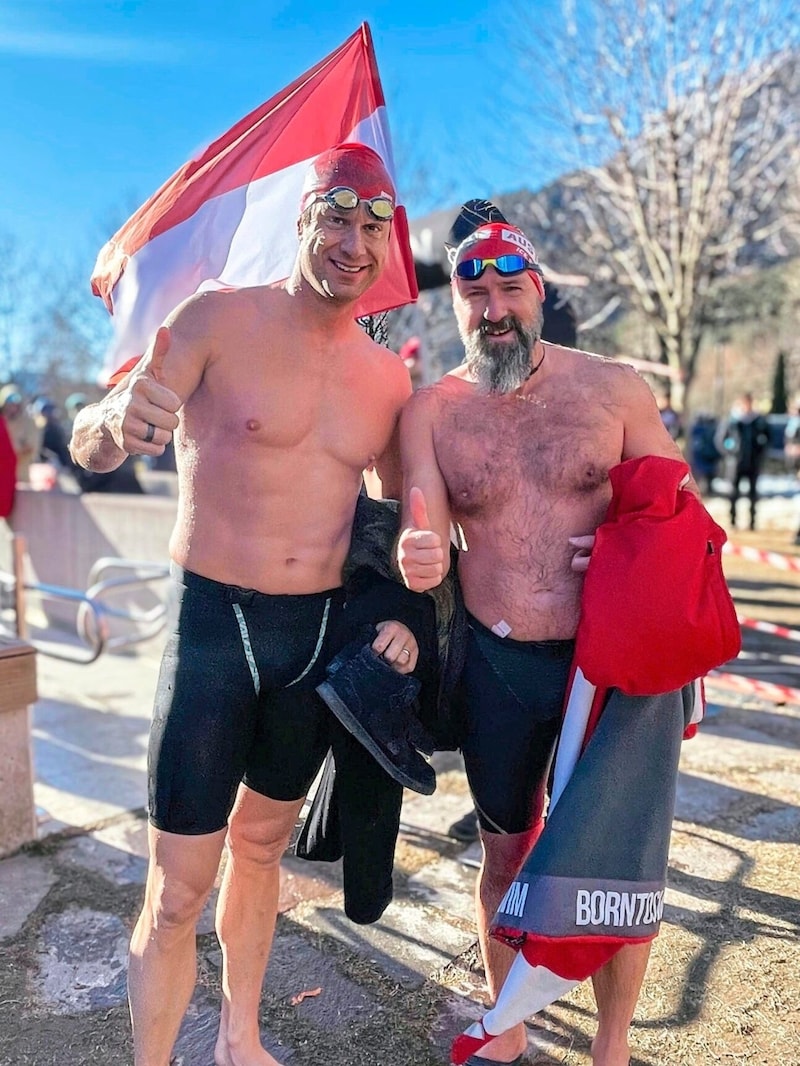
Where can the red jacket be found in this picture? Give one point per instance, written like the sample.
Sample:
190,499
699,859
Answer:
655,611
8,470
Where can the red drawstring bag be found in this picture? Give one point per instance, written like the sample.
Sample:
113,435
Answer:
655,612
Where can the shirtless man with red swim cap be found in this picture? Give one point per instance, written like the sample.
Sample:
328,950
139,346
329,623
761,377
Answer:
279,401
514,447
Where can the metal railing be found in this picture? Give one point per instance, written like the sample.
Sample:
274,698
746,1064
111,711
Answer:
94,611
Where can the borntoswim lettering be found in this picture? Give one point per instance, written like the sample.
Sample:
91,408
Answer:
513,901
618,909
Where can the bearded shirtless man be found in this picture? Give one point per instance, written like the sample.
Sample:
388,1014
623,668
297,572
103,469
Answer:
278,401
514,448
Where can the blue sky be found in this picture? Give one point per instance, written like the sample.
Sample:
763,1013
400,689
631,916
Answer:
104,100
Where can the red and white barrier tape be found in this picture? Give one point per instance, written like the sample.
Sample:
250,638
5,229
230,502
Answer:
766,689
776,693
755,555
769,627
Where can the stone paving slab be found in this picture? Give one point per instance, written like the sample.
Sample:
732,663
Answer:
25,880
437,812
407,944
705,800
81,960
301,880
781,825
297,967
117,852
447,885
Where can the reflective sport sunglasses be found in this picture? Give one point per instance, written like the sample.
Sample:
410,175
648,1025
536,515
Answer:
506,265
345,198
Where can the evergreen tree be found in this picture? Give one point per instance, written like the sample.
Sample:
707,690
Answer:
780,398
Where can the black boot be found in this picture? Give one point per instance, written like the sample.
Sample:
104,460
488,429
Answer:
374,703
465,829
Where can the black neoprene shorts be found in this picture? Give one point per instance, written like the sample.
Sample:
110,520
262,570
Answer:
236,701
513,695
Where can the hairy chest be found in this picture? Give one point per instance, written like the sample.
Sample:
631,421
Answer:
492,451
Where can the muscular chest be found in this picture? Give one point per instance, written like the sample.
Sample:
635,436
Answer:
292,413
495,450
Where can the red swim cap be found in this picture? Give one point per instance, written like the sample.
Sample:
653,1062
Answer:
355,165
496,239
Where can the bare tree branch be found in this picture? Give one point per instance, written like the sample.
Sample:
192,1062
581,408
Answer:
684,123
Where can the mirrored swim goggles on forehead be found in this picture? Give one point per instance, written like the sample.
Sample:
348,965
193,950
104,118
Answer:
346,199
505,265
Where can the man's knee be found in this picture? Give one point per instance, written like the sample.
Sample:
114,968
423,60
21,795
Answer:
180,877
175,904
263,849
260,832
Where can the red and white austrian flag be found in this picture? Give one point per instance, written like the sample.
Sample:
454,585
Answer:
227,219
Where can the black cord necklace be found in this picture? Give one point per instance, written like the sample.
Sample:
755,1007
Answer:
535,368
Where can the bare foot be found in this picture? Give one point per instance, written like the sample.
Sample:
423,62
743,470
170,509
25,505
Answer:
610,1053
226,1055
242,1048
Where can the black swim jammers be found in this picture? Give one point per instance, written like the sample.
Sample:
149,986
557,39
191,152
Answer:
513,697
236,701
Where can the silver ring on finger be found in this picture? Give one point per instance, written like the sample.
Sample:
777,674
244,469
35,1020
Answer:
406,652
151,432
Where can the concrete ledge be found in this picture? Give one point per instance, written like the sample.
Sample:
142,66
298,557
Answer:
66,533
17,674
17,692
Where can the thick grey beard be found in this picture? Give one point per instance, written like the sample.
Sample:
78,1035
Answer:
497,366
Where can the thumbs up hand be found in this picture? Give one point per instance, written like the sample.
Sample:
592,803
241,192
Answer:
418,508
143,413
420,554
158,352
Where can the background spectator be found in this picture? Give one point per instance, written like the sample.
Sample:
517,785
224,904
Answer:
22,429
54,447
670,418
703,454
745,438
791,438
8,470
